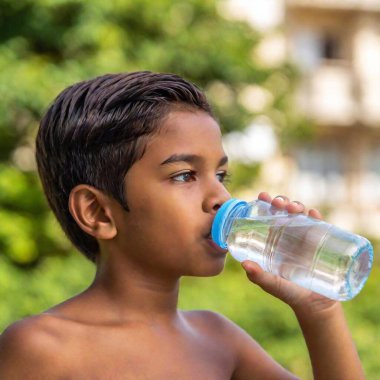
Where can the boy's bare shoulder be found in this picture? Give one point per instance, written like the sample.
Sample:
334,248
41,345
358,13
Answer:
251,361
217,325
205,316
30,344
39,331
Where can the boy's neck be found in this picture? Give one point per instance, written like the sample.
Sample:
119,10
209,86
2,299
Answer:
130,294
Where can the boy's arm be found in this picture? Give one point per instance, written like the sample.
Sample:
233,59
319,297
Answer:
332,351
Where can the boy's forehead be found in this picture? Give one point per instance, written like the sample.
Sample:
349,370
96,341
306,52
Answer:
183,125
187,131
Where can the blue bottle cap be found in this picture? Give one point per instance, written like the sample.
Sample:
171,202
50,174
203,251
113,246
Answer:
220,220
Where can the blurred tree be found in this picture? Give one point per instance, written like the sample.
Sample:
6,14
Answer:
46,45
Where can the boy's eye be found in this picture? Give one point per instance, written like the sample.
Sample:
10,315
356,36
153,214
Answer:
190,176
184,177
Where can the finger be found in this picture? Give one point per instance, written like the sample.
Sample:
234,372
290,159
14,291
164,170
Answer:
274,285
315,213
264,196
295,207
281,201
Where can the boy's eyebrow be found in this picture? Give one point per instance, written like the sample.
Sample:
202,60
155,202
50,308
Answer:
190,158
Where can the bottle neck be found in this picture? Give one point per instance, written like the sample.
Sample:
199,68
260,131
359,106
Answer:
224,219
237,212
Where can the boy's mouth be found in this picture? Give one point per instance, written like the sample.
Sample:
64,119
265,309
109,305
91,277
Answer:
215,246
208,236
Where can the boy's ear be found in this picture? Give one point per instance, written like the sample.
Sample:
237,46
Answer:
91,209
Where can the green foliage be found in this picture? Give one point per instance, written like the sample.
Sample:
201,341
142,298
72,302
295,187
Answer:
27,231
26,292
242,175
46,45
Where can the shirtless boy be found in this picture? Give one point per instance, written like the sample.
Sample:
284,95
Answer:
133,168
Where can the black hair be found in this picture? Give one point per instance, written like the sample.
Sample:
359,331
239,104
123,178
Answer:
97,129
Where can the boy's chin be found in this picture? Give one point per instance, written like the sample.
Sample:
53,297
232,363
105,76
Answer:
208,271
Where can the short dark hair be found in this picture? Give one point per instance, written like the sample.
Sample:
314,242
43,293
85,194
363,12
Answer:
97,129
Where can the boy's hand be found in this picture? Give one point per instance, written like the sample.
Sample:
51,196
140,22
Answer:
300,299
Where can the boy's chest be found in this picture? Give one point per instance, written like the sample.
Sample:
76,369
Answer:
143,356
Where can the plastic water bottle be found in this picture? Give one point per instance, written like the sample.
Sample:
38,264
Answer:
309,252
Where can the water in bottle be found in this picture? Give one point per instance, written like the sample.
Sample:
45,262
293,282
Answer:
309,252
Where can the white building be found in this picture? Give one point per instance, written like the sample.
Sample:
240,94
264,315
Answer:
336,45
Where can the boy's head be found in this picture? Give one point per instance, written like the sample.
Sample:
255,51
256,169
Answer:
97,129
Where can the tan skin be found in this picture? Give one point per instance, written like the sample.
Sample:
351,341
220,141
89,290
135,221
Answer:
126,325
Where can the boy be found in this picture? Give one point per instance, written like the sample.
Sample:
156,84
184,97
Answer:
133,167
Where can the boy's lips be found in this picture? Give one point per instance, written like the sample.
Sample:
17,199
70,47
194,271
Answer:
216,246
213,244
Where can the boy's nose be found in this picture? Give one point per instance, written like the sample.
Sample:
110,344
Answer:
215,199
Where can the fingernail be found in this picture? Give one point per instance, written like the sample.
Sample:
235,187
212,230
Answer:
299,205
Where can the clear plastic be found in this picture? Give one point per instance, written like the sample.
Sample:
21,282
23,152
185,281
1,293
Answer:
306,251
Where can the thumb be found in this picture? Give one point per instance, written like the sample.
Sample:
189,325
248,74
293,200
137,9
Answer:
258,276
270,283
283,289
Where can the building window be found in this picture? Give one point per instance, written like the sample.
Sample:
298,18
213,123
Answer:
320,176
331,47
311,46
